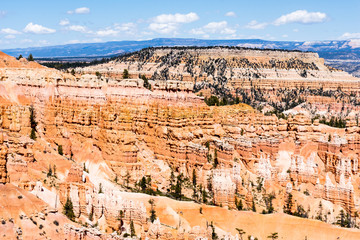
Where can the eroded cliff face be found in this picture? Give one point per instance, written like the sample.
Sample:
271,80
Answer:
268,80
114,132
227,69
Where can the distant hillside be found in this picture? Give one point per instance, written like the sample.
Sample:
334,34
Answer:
343,54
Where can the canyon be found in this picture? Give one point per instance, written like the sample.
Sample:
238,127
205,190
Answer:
144,156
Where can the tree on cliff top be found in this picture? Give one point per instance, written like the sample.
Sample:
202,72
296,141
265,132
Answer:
30,58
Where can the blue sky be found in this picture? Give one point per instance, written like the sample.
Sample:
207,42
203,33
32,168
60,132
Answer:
25,23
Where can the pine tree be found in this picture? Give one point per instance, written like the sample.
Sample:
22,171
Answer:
194,178
30,58
125,74
146,82
127,179
214,236
319,216
241,232
68,210
91,215
20,56
33,123
204,196
33,134
178,187
152,210
132,229
288,204
216,161
54,170
143,184
172,181
50,173
60,150
273,236
120,218
98,75
268,203
240,205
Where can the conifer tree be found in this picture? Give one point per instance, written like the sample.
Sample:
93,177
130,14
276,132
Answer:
30,58
152,210
68,210
132,229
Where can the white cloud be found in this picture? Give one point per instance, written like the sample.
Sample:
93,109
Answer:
38,29
285,36
128,28
176,18
82,10
125,26
107,32
214,28
116,29
9,31
10,36
256,25
228,31
348,35
64,22
169,23
295,30
197,31
219,27
301,16
230,14
84,41
77,28
163,28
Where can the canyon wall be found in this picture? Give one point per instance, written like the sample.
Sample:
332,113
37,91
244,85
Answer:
112,128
